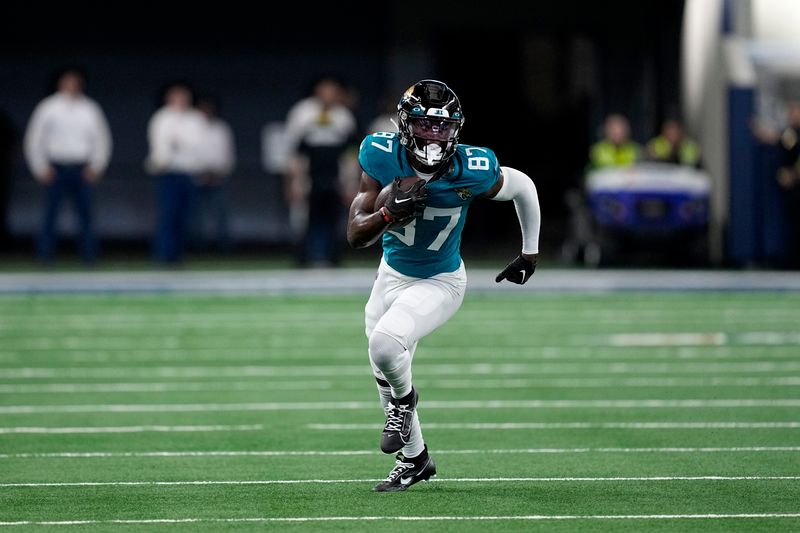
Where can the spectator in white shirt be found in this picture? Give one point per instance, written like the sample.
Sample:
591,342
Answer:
209,208
176,134
68,145
386,119
321,134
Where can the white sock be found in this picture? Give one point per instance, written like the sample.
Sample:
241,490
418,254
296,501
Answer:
400,376
415,441
416,444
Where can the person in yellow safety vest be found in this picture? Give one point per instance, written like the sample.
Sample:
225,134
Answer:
672,146
616,149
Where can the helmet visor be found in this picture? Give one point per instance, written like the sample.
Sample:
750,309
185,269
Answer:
432,129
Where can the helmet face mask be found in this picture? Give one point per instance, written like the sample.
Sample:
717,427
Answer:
430,121
431,139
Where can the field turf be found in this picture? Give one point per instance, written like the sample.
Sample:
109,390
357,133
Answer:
621,412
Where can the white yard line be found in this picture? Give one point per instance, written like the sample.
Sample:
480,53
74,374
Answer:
433,354
187,371
758,318
750,338
667,339
127,429
430,404
286,337
523,518
575,425
173,386
266,385
325,371
345,313
349,453
638,382
372,480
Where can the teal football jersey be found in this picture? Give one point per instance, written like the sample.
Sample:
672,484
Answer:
431,243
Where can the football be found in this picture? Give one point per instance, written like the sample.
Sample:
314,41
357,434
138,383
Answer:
406,184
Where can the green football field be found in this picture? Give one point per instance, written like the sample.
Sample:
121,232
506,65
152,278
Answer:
625,412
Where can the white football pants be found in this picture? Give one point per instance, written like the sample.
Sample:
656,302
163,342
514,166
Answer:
400,311
406,308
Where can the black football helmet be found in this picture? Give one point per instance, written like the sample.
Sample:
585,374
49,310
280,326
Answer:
430,122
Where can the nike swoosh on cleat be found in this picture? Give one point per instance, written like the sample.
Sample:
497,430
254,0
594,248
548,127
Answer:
523,273
406,480
401,201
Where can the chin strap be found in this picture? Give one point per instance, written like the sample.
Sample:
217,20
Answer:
440,171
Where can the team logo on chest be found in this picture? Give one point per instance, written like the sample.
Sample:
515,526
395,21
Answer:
464,193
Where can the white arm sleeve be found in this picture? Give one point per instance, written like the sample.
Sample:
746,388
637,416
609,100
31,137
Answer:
518,187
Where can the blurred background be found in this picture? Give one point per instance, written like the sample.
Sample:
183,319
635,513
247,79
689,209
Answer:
658,133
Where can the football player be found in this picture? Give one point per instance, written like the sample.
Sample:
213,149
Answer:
421,277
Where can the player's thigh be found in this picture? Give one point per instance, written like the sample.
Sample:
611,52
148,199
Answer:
421,308
377,303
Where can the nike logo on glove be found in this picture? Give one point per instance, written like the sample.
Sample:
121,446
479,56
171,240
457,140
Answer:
401,201
525,267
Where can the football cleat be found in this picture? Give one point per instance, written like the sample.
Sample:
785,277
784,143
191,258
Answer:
405,473
399,420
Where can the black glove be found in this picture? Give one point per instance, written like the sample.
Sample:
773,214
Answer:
402,205
518,271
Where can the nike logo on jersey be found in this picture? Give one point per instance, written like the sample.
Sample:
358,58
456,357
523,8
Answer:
401,201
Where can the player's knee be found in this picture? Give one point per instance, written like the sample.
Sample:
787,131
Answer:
384,349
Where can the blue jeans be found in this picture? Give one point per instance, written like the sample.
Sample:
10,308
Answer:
209,218
68,181
322,242
174,192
